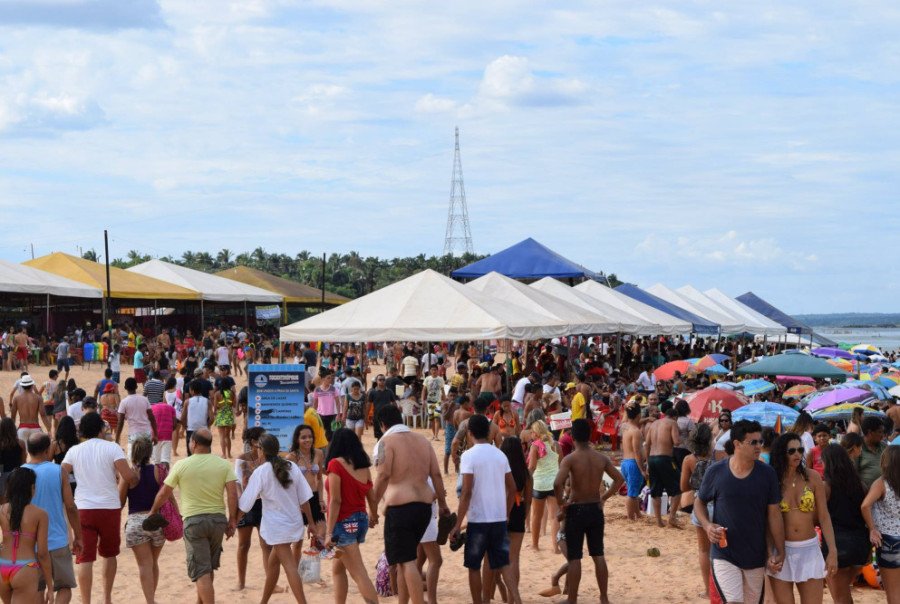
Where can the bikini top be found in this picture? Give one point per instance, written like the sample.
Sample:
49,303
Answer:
15,535
807,502
313,468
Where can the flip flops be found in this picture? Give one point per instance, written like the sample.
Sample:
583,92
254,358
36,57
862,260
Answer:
445,525
154,522
457,543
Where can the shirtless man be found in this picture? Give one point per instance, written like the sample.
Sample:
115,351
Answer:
405,462
464,441
490,381
633,467
893,412
29,406
662,438
21,342
584,469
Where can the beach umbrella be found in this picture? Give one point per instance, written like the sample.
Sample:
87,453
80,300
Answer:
724,385
705,362
843,412
757,386
793,363
716,370
798,391
837,396
879,391
878,358
795,379
895,391
865,349
710,402
886,380
766,414
667,371
719,357
842,364
827,351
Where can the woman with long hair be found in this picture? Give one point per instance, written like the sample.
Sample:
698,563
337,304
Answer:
146,545
804,505
854,426
845,492
12,453
25,527
244,466
506,419
881,510
311,462
527,435
224,418
693,468
349,487
512,448
543,463
685,426
280,486
65,437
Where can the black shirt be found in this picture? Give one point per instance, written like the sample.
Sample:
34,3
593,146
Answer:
380,398
205,386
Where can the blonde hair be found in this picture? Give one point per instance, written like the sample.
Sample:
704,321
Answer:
141,450
540,430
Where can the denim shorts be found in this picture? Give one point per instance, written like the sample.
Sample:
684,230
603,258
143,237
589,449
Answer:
351,529
486,537
888,555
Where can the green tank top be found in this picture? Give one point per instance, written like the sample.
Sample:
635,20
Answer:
545,471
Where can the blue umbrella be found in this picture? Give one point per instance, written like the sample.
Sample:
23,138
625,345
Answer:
832,353
718,357
725,385
766,413
757,386
717,370
879,391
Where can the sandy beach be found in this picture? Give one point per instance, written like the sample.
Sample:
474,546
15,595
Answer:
634,577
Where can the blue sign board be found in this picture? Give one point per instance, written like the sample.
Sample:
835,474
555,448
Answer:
276,399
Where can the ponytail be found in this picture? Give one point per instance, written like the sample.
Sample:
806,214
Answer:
280,466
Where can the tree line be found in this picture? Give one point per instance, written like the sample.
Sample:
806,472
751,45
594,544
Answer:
350,274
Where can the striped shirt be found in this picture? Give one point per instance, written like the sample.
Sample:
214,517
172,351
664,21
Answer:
154,390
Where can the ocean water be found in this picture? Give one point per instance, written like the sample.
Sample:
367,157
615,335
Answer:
886,339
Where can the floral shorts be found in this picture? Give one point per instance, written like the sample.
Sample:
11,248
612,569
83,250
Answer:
136,535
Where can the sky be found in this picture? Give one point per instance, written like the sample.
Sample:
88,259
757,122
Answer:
743,146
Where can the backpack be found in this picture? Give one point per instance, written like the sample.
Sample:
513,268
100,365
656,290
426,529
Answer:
699,471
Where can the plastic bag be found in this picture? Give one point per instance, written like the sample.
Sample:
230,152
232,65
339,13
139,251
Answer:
310,568
383,578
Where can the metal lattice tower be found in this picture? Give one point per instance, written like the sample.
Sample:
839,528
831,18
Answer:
458,239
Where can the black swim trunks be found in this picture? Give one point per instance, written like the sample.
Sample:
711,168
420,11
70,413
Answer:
253,518
404,527
663,476
584,520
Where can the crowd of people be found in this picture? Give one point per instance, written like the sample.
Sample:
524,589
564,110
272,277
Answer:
773,512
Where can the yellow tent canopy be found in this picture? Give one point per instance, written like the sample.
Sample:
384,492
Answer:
293,292
124,284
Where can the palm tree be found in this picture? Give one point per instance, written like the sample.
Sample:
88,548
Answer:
91,255
223,258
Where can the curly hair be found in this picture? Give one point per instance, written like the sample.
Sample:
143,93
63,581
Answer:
778,456
700,439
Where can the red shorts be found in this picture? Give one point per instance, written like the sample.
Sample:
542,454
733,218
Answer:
140,376
21,353
102,532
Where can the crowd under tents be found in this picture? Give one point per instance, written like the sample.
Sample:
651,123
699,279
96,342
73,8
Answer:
580,320
662,323
33,293
726,324
527,259
426,307
699,325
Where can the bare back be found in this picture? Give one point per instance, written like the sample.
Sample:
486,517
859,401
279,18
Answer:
408,461
28,406
631,441
660,437
586,468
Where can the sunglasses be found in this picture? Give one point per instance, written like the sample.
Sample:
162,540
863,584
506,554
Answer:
724,420
793,450
756,442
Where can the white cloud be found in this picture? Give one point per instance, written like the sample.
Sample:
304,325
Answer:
433,104
727,249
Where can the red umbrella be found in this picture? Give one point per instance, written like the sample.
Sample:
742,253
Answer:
705,362
710,402
667,371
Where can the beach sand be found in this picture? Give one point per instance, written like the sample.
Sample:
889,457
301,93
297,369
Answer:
634,577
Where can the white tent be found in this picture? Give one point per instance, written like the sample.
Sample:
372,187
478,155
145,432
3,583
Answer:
21,279
625,322
757,322
210,287
726,324
424,307
695,295
579,320
660,322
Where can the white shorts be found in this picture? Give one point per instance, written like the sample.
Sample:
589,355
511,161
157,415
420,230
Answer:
432,531
738,584
803,561
162,452
24,433
354,424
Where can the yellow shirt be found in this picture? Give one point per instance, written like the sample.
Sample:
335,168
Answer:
201,479
578,404
312,419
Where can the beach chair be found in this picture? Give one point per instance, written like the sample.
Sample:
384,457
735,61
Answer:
410,411
610,428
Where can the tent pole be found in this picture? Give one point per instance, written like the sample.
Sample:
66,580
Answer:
245,314
47,327
618,349
202,321
155,326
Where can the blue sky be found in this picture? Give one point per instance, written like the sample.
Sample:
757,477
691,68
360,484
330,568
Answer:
743,146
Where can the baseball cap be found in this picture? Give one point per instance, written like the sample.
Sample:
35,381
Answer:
570,386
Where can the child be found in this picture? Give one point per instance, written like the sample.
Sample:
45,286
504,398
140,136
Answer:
821,436
448,408
115,363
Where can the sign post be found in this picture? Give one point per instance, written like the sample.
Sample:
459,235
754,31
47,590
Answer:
276,399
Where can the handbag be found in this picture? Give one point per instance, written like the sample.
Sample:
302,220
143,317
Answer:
175,529
336,425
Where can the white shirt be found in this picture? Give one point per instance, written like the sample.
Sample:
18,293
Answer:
198,413
222,356
135,408
282,521
425,359
808,443
647,382
720,442
519,390
75,412
93,464
115,362
552,390
490,467
410,364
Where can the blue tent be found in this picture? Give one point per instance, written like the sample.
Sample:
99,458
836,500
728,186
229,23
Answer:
527,259
700,325
761,306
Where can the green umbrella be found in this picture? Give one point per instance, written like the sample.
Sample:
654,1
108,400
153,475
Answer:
793,363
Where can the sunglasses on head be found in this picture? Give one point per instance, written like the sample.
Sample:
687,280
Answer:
793,450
